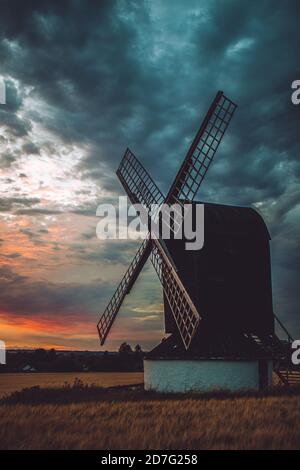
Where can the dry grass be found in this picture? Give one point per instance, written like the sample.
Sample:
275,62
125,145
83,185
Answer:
122,419
12,382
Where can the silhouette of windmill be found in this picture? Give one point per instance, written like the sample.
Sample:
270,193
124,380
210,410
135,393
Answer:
218,300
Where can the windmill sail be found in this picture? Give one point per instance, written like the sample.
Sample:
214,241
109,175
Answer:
107,318
137,182
202,150
184,311
142,189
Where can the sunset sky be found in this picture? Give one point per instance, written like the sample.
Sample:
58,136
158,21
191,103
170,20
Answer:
86,79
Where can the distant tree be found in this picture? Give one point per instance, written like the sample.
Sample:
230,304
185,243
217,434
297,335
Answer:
138,349
125,349
138,358
125,357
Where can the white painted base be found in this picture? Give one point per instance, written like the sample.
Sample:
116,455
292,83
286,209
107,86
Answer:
202,375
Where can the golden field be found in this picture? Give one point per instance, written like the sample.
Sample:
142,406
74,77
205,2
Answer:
93,418
12,382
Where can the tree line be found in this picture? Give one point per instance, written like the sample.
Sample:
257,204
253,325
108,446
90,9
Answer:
125,359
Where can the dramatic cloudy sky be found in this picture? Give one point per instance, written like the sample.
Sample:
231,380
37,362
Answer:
85,79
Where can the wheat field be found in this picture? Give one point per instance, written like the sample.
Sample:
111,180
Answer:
17,381
123,420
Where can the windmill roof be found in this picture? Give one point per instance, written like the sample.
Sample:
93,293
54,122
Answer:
234,219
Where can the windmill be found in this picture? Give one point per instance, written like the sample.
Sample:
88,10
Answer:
215,339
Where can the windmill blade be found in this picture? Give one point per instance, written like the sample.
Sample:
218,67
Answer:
141,189
202,150
137,182
184,311
107,318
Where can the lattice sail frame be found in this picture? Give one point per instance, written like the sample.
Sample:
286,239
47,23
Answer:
142,189
202,150
184,311
135,267
137,182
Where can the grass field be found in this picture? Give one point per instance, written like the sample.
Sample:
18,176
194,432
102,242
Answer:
94,418
12,382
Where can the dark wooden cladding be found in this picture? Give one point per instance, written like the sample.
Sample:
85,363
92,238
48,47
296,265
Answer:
229,279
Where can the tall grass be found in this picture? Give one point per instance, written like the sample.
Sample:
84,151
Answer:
134,419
